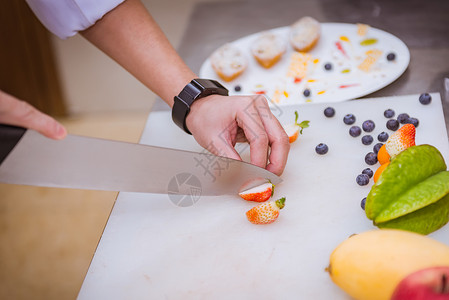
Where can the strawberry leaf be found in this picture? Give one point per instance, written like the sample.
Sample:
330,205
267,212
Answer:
280,203
303,124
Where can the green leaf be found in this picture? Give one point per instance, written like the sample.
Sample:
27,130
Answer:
408,169
303,124
418,196
424,221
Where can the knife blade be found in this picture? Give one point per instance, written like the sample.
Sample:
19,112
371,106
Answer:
29,158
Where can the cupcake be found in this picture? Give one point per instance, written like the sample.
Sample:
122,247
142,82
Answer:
267,49
228,62
304,34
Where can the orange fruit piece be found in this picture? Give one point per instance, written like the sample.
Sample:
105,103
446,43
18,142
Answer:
380,170
382,156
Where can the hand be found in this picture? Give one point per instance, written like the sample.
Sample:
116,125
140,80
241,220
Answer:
218,123
19,113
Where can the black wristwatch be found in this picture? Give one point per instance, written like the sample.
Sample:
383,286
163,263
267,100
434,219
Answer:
196,89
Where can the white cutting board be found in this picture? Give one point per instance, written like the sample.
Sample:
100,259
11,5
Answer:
152,249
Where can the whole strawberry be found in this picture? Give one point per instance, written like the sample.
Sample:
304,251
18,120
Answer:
401,140
293,130
265,213
259,193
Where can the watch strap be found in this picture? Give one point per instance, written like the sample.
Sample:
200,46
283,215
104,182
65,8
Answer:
196,89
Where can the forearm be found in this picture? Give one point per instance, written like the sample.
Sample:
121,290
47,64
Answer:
130,36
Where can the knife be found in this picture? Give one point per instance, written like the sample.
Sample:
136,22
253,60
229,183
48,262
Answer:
29,158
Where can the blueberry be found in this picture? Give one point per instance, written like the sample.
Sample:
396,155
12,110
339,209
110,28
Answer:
413,121
349,119
321,148
328,66
368,126
371,158
355,131
382,137
425,98
362,179
389,113
402,118
368,172
367,139
391,56
376,147
306,93
237,88
329,112
393,124
363,203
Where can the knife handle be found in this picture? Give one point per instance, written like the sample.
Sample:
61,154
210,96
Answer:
9,137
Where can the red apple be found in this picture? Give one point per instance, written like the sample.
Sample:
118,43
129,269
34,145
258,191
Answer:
427,284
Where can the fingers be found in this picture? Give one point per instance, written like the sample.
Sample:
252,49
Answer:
239,119
277,138
19,113
250,121
223,147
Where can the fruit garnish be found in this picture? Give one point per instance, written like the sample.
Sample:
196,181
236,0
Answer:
401,140
371,158
368,126
427,284
393,125
367,140
413,121
370,265
306,93
294,130
412,193
265,213
368,172
383,137
349,119
259,193
329,112
355,131
402,118
368,42
362,179
321,148
382,156
377,147
363,203
389,113
391,56
425,98
380,170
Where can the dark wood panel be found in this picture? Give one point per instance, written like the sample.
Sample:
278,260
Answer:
27,65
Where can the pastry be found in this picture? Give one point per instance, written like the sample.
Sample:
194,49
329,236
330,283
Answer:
304,34
268,48
228,62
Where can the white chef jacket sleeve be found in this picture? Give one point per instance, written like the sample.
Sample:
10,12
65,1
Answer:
65,18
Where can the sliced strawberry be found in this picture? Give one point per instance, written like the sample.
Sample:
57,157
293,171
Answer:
401,140
265,213
293,130
259,193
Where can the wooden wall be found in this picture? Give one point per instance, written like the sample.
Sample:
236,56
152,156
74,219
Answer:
27,65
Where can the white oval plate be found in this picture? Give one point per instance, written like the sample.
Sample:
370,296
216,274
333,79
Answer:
325,86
